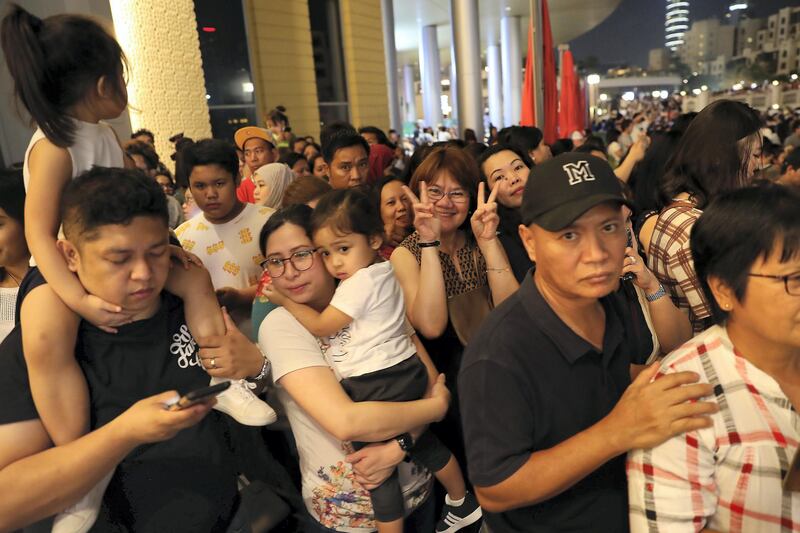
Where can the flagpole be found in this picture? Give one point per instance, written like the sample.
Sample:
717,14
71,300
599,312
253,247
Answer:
538,60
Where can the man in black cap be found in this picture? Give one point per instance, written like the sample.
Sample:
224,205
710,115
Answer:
547,402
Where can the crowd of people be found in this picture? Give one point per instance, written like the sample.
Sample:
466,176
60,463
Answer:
373,332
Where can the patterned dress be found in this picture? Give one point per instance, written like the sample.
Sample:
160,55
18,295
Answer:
446,351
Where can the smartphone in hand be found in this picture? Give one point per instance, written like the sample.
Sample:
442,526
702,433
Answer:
629,276
196,396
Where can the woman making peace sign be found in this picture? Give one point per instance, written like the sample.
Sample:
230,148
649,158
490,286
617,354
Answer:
451,275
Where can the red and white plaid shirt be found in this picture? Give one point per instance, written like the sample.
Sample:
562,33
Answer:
727,477
670,259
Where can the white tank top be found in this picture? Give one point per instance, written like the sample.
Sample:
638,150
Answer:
94,145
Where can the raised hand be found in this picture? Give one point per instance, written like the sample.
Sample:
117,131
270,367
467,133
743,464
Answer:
485,219
426,222
637,151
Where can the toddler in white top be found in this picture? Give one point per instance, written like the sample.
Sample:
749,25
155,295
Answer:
365,338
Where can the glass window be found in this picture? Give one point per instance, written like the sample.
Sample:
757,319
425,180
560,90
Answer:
230,86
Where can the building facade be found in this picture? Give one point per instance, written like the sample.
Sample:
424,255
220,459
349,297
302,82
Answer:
676,24
705,42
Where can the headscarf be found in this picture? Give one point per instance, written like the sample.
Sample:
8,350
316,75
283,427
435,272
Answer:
277,177
380,157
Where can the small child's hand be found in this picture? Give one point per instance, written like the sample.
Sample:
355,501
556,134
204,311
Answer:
274,296
183,257
103,314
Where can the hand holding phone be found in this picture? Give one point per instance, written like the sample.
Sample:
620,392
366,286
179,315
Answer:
196,396
629,276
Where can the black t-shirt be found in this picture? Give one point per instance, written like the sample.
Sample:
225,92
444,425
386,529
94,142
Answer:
187,483
527,383
16,402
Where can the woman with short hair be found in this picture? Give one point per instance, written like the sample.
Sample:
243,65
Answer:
737,474
452,269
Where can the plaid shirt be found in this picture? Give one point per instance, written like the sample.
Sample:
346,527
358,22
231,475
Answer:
670,259
727,477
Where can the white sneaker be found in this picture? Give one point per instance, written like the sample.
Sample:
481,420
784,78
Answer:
80,517
242,405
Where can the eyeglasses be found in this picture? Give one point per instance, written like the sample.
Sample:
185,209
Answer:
456,196
301,261
791,282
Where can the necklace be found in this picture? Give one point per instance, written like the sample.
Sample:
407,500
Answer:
15,278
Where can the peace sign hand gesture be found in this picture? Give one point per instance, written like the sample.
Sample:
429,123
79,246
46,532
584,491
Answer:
426,222
485,219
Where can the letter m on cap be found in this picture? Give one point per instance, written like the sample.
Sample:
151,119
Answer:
578,172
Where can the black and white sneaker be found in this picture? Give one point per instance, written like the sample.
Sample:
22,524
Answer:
456,518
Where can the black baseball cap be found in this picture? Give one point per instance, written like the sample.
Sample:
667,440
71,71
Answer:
561,189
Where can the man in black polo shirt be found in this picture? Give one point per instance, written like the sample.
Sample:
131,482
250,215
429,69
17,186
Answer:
547,402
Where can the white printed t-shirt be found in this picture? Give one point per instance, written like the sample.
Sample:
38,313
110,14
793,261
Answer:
377,338
229,251
329,489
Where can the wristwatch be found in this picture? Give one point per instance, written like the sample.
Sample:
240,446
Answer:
405,441
660,293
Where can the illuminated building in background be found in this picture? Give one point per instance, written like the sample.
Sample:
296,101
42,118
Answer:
676,24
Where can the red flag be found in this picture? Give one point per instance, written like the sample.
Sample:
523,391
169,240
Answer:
550,121
528,115
568,110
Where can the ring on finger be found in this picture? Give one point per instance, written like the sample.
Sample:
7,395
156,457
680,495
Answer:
213,362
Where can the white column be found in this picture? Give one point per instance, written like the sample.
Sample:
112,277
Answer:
464,18
512,70
494,85
409,94
390,55
431,76
454,87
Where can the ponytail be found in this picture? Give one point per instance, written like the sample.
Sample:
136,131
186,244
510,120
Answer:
55,63
26,63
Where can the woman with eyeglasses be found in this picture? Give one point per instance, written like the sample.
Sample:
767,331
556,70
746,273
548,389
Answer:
740,473
324,420
451,274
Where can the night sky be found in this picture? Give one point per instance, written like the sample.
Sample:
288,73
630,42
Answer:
638,26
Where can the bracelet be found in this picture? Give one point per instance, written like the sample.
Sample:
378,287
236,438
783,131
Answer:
497,269
431,244
660,293
264,367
